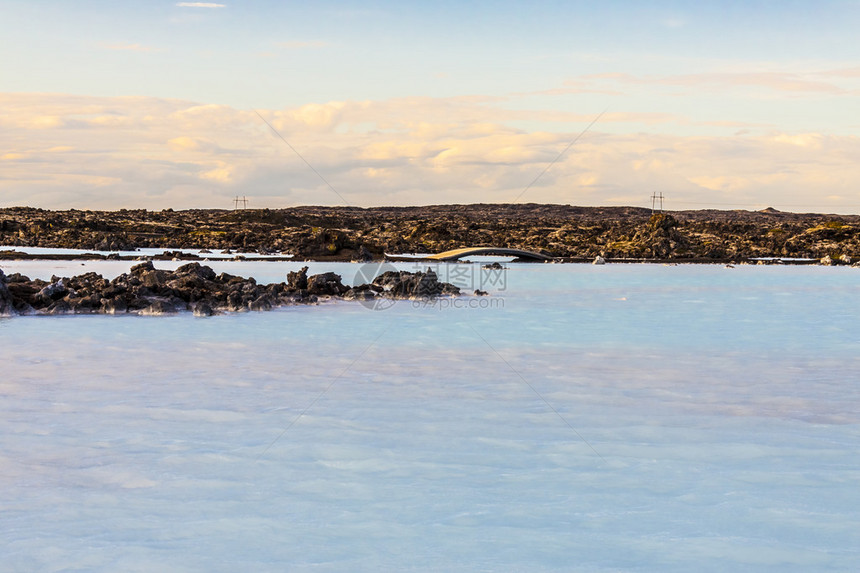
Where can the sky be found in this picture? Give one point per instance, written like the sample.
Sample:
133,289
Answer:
728,105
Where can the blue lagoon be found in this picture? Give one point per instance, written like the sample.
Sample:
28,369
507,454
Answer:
622,417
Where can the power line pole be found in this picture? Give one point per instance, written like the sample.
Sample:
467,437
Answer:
243,201
656,202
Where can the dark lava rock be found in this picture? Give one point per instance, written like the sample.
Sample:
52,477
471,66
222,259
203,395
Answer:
59,307
326,284
153,279
364,255
197,270
262,302
176,256
159,307
346,233
359,294
7,306
142,268
202,309
150,291
403,284
363,292
52,292
298,280
113,305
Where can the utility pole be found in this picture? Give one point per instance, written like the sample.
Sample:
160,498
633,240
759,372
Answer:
243,201
657,202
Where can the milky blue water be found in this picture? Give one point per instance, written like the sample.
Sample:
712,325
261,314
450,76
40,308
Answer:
580,418
143,252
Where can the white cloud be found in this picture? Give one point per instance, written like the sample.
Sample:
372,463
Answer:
85,152
183,143
801,139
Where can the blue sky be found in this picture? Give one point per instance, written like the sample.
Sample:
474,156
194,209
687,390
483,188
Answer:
745,104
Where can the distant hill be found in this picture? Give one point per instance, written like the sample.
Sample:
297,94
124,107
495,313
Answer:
341,232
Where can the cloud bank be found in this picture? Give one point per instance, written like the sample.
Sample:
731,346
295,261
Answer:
64,151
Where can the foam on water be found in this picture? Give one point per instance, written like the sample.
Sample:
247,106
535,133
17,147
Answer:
610,418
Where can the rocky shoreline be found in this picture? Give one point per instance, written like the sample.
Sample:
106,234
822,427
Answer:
193,287
351,233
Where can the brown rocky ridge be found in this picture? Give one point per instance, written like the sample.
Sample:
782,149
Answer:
349,233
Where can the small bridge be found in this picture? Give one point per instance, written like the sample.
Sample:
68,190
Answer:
456,254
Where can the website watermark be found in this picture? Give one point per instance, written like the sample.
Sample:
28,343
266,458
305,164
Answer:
468,276
366,275
460,303
431,285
